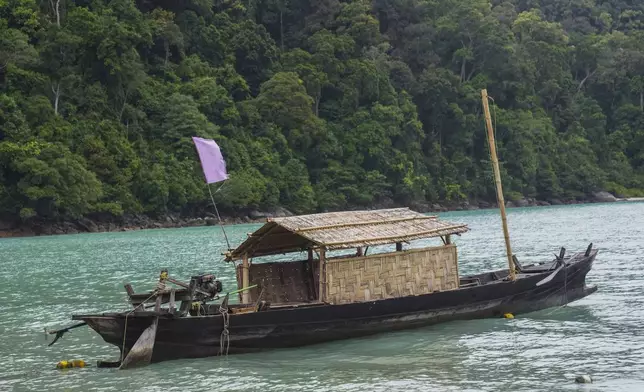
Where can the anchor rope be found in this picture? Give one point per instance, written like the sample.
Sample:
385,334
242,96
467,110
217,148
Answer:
125,326
565,285
565,288
225,334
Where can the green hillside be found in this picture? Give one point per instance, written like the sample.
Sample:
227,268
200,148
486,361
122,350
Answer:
317,105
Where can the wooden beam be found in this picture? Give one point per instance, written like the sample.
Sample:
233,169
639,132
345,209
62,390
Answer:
172,305
372,222
322,277
396,237
301,247
245,278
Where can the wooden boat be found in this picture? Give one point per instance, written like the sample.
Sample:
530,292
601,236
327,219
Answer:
336,288
293,304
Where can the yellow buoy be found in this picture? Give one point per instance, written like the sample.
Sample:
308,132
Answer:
78,363
508,316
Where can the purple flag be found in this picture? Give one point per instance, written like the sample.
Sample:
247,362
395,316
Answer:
212,162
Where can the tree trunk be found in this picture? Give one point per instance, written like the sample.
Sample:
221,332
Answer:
469,76
125,96
58,13
166,46
55,7
318,97
463,70
588,75
56,91
282,28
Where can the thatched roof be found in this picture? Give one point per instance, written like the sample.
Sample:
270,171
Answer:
342,230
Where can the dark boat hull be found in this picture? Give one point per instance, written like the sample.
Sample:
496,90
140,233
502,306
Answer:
193,337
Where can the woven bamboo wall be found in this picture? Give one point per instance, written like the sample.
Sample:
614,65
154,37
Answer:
389,275
282,282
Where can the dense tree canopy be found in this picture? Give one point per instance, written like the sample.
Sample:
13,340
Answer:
317,104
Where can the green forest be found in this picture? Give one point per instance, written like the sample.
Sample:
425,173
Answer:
316,104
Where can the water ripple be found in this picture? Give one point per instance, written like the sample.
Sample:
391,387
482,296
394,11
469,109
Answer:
44,280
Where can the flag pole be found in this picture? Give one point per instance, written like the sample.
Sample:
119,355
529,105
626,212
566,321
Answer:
218,217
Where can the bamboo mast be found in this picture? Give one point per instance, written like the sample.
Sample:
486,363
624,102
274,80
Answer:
497,181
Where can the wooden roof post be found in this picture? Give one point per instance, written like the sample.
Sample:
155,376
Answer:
245,279
322,276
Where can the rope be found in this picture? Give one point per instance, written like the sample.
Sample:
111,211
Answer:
217,211
225,334
555,291
125,327
565,285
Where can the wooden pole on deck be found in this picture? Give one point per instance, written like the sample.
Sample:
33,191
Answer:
497,181
322,275
245,279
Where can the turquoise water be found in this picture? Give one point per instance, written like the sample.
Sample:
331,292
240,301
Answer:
45,279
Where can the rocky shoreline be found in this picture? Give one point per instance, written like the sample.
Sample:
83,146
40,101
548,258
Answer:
130,222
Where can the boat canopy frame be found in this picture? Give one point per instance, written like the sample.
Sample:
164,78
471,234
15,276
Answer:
342,230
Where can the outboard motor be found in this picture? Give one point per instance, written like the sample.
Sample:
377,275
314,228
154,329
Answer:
208,283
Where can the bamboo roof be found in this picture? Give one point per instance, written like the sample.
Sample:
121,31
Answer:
342,230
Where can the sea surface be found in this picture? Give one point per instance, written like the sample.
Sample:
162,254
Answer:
45,279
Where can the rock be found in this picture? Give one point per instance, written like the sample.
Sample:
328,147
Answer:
438,208
604,197
87,225
583,379
522,202
509,204
555,202
467,206
420,207
254,214
281,212
542,203
485,204
6,225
